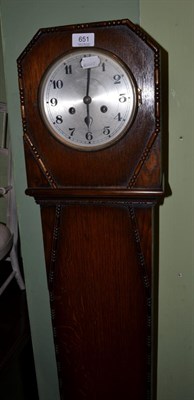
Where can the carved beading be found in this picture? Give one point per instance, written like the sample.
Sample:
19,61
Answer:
147,286
39,160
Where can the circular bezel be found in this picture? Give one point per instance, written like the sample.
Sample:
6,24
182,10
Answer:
52,70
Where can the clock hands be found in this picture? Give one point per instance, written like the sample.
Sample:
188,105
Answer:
88,82
88,119
87,100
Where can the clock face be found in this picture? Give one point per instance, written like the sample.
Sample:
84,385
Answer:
88,99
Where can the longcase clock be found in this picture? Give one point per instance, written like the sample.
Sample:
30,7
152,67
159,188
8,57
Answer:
90,101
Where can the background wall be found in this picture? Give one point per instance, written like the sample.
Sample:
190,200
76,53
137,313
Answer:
171,24
2,77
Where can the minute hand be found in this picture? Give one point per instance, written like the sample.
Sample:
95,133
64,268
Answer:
88,82
87,100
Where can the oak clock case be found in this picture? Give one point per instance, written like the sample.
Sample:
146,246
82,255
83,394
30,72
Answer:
92,141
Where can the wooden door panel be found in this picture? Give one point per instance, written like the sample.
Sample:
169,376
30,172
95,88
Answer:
99,287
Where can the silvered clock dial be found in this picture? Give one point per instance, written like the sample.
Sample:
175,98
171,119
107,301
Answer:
88,99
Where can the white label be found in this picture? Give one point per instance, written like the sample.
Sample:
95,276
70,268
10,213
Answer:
83,39
90,62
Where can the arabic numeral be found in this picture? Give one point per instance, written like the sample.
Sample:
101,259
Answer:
68,69
89,136
53,102
83,39
103,66
71,130
57,84
117,79
106,130
118,117
59,119
122,98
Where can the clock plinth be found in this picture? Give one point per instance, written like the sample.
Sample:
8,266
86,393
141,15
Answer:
97,181
99,278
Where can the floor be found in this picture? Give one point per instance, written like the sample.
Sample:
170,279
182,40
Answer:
17,373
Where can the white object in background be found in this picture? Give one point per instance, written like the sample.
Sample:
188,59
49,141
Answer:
9,243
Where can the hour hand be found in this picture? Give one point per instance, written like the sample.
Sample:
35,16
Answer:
88,120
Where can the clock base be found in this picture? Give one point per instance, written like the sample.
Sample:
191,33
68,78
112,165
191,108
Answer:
98,257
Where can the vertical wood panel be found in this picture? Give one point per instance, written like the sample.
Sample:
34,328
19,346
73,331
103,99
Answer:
100,288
